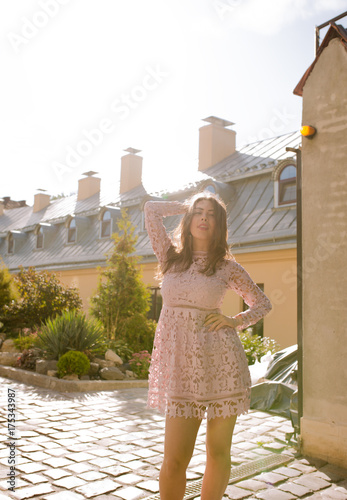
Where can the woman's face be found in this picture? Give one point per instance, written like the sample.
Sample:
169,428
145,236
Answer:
203,223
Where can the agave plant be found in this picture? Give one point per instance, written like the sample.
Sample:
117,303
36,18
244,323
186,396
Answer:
70,331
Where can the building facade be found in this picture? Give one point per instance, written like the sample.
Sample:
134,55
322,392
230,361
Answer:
71,236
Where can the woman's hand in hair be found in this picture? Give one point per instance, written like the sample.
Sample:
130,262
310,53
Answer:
215,321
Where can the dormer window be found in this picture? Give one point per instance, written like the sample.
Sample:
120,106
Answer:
10,244
287,185
71,231
284,176
211,188
39,238
106,225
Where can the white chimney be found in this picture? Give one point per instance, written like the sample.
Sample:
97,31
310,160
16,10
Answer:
41,200
216,142
131,170
88,186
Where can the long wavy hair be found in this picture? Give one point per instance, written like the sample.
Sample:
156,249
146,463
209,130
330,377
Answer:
180,255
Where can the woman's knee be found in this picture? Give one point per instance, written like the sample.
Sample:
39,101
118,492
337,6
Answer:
219,455
173,465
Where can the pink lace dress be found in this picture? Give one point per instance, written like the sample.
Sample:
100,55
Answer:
194,372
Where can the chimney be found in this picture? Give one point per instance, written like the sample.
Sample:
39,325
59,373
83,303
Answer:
216,142
88,186
131,170
41,200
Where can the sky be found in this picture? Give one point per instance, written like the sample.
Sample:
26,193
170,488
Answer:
83,80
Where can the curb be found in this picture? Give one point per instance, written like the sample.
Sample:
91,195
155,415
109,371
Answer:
60,385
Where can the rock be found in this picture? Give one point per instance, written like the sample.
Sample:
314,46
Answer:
8,358
112,356
8,346
103,363
94,368
85,377
124,367
73,376
52,373
111,373
43,365
130,374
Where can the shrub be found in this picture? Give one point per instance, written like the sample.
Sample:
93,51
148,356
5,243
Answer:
138,332
8,290
120,347
41,296
140,363
27,360
26,340
70,331
255,347
73,362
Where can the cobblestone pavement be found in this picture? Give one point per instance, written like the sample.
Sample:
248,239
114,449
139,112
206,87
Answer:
108,446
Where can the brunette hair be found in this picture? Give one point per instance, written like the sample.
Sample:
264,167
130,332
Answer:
180,255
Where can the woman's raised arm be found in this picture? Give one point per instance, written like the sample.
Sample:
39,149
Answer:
154,213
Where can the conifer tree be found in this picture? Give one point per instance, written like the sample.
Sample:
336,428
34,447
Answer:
122,300
8,291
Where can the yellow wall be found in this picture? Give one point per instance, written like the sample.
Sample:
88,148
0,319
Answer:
276,269
86,280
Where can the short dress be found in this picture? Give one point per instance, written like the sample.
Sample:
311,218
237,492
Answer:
195,372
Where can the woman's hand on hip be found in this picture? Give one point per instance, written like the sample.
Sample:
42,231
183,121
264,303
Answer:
215,321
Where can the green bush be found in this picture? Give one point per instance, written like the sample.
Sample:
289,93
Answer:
26,340
73,362
255,347
140,363
41,296
70,331
120,347
8,290
138,332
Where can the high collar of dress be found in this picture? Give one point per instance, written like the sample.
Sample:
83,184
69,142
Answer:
199,254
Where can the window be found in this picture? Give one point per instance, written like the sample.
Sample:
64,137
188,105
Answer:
143,225
156,304
211,188
258,328
39,238
71,231
10,244
106,223
287,185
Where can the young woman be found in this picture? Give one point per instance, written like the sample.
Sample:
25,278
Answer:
198,366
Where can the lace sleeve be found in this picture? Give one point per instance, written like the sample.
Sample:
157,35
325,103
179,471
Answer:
154,213
258,303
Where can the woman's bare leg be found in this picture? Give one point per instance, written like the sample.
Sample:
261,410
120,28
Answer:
218,443
180,436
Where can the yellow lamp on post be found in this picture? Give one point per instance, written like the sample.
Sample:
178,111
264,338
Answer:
308,131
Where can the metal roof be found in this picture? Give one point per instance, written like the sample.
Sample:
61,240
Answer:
245,177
